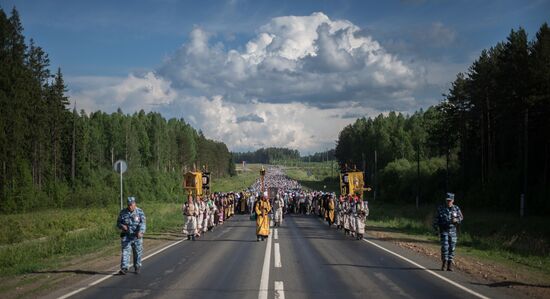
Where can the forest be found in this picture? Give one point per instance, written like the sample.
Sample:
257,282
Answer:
270,155
320,156
488,140
53,156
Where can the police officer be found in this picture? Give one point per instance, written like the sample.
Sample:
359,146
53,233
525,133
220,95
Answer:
446,220
131,222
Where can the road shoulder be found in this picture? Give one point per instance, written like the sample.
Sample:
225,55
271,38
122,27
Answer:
517,282
76,271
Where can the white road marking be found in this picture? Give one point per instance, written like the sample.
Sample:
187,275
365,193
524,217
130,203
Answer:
275,234
279,290
73,292
277,256
264,281
114,273
429,271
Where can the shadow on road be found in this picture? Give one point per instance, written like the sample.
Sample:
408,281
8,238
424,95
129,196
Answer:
170,236
175,238
75,271
225,240
377,267
249,226
506,284
409,240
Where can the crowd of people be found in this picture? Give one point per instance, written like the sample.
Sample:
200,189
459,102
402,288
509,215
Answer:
203,213
283,196
346,212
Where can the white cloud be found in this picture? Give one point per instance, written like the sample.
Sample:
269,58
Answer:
311,59
132,93
295,84
293,125
441,35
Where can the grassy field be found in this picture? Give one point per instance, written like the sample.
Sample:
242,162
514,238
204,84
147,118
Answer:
244,179
499,237
321,176
46,239
33,241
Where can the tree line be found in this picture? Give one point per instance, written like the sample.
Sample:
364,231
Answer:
488,140
274,155
51,156
327,155
270,155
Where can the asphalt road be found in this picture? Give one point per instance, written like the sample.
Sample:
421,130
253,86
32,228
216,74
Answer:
302,259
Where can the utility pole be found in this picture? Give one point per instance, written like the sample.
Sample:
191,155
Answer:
525,157
417,174
375,176
73,154
447,156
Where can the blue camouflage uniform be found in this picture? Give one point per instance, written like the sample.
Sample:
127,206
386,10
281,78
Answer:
135,221
443,221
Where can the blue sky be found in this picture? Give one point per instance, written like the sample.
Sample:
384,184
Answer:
183,58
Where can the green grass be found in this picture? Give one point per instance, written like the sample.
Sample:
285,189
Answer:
243,179
42,239
499,237
314,176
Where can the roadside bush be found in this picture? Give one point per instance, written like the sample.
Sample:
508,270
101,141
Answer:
399,180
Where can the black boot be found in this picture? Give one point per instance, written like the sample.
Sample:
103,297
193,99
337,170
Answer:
450,266
443,264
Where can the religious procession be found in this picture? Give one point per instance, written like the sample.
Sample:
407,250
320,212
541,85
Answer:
267,201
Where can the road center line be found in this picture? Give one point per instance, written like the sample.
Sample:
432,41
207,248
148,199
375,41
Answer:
275,234
277,256
114,273
429,271
279,290
264,281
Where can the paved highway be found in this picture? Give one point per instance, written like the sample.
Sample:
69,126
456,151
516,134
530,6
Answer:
301,259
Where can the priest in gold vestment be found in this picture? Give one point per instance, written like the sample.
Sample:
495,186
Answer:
262,208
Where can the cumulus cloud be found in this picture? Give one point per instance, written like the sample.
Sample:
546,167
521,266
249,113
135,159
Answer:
295,84
132,93
311,59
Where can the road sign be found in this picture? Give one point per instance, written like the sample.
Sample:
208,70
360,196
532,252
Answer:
120,166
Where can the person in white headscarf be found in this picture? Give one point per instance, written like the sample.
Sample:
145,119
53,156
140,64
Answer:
362,213
278,205
190,211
